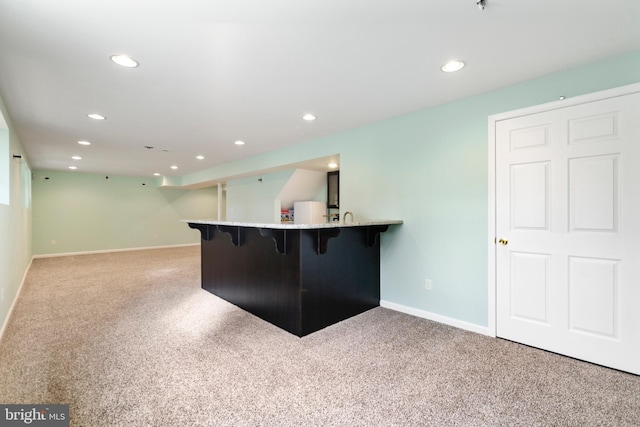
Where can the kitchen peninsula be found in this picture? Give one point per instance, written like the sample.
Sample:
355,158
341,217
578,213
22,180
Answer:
299,277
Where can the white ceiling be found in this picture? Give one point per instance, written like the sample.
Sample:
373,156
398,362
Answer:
214,71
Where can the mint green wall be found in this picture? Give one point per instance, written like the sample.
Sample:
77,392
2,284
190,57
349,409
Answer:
15,221
429,168
86,212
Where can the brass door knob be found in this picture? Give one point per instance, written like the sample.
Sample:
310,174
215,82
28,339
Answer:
503,242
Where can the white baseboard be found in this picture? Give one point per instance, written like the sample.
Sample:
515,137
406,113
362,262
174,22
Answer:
106,251
15,299
437,318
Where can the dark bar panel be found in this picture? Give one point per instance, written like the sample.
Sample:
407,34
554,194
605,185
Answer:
299,279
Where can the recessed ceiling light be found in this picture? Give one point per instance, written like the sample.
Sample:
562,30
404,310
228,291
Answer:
124,60
238,142
96,116
156,174
73,167
200,157
333,165
84,143
452,66
309,117
76,158
174,167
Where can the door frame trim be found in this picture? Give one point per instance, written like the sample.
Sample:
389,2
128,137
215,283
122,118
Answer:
493,120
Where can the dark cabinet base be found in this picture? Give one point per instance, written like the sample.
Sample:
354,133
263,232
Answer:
301,280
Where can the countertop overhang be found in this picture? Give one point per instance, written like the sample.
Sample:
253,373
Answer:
294,226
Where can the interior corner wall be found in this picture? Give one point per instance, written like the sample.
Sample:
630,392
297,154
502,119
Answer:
80,212
304,185
15,220
254,198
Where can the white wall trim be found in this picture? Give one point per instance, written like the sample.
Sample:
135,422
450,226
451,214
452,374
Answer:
491,238
493,119
15,299
113,250
472,327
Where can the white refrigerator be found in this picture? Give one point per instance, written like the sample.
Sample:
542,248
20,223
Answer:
309,212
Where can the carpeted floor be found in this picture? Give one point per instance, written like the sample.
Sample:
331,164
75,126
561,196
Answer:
130,339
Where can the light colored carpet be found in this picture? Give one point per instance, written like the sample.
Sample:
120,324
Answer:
130,339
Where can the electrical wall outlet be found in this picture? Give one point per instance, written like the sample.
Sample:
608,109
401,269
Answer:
427,284
53,243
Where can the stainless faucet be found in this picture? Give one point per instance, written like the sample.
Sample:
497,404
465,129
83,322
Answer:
344,219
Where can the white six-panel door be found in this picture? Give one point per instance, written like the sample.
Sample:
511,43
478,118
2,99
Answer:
567,223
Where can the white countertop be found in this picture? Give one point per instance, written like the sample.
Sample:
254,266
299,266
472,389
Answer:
291,225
